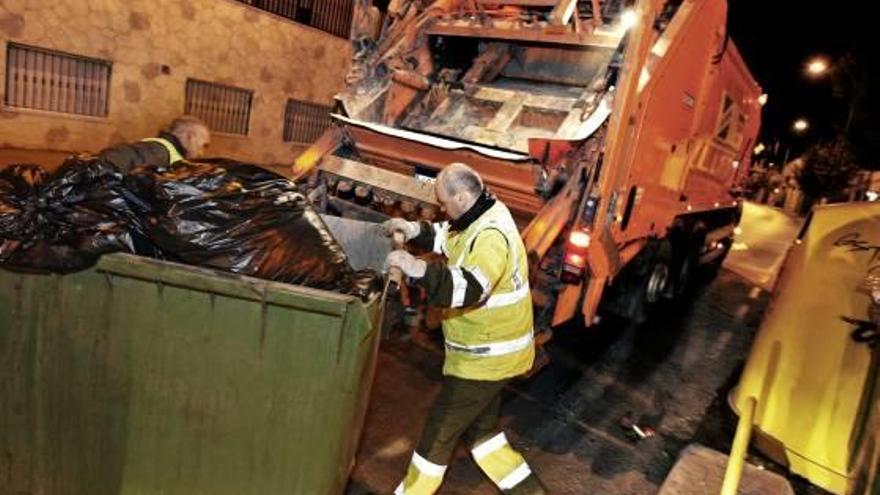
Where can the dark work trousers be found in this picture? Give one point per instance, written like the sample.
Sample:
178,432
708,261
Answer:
472,406
462,404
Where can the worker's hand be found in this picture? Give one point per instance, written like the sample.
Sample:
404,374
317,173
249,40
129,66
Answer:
409,229
409,264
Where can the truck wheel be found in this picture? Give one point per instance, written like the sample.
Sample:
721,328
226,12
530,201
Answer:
649,286
641,285
712,268
657,282
688,258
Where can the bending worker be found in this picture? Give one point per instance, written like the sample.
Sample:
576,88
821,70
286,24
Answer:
487,327
185,138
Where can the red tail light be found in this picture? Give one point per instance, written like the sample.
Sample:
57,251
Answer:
575,261
579,239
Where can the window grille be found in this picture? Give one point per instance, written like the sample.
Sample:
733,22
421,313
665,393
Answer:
304,122
332,16
55,81
222,108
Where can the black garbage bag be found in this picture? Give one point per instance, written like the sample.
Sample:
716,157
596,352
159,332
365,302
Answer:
243,219
64,221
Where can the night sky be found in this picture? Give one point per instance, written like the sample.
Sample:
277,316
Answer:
778,37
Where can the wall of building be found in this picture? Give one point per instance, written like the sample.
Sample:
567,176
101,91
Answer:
154,46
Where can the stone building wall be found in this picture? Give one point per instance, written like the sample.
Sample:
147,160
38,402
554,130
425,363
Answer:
154,46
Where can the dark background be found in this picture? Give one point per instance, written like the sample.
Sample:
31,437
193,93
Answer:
778,37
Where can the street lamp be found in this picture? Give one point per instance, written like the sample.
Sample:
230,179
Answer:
817,66
628,19
799,127
843,79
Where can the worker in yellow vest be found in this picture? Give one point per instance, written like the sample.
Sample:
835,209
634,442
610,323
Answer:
185,138
487,326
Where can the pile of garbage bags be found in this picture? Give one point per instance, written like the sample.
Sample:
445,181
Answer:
64,221
220,214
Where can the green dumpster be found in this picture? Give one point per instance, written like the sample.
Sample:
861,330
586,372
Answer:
141,376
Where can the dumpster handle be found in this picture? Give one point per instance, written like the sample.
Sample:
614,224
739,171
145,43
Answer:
380,316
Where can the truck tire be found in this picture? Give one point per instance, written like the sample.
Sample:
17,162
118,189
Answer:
687,259
711,269
642,285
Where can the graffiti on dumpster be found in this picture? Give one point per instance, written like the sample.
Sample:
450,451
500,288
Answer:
865,331
854,242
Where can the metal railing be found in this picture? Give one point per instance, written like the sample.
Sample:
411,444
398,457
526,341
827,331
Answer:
222,108
332,16
53,81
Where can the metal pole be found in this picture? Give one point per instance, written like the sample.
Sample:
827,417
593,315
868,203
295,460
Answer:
735,466
849,116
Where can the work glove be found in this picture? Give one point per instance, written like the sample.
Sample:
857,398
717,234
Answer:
409,229
410,265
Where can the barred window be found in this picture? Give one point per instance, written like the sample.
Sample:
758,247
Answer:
332,16
222,108
55,81
304,122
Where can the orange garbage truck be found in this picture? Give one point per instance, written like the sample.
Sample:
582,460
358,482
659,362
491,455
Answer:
616,133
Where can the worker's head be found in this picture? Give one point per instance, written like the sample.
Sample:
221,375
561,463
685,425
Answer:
192,133
458,187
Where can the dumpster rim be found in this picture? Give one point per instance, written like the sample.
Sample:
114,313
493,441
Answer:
220,282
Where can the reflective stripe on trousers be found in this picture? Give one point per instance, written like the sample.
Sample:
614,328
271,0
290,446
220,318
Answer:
503,465
423,477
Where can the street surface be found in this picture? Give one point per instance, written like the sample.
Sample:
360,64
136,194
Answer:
670,375
762,243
